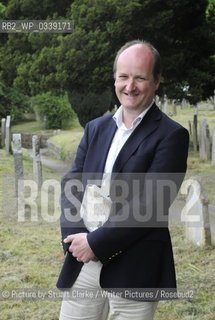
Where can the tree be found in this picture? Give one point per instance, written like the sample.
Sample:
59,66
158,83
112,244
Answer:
22,72
12,102
91,105
179,29
81,62
29,9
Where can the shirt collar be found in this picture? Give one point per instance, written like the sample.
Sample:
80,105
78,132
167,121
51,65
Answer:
118,118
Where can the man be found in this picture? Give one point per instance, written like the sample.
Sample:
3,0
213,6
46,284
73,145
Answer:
131,253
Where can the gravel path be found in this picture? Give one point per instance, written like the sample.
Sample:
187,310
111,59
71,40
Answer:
53,164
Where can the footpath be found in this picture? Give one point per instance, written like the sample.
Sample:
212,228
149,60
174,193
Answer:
56,165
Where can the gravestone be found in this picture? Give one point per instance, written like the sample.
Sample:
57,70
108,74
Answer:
3,132
174,108
37,165
190,128
18,163
213,150
158,101
195,133
195,214
8,136
165,104
183,103
212,223
214,100
204,141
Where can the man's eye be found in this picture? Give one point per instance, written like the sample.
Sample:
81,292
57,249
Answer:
123,77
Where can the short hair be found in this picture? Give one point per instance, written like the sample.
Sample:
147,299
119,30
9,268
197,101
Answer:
157,69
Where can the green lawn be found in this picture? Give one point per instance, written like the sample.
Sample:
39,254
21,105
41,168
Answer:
31,257
67,141
185,115
28,126
31,254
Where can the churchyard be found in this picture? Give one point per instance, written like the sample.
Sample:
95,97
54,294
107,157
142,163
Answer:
31,253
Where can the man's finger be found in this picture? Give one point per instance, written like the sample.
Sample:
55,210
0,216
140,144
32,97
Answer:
68,239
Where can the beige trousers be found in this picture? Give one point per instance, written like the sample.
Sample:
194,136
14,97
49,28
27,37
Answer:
87,301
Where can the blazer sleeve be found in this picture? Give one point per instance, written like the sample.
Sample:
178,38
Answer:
72,193
169,163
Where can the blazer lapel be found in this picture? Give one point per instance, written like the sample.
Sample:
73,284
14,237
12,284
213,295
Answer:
106,135
148,124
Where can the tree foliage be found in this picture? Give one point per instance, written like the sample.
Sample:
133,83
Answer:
81,62
91,105
53,110
12,102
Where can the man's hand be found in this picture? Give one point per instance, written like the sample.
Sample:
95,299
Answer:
80,248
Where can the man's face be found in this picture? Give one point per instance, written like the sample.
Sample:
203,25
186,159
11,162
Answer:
135,85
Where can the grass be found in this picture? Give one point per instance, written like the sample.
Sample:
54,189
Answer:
32,126
31,257
31,254
67,141
185,115
28,126
194,275
204,172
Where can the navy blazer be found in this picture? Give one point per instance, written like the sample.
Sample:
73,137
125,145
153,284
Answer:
135,253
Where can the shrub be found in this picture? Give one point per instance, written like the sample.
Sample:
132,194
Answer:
54,110
90,105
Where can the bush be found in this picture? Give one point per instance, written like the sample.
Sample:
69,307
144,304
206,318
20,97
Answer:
54,110
90,105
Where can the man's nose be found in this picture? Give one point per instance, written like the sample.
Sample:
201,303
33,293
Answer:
131,86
